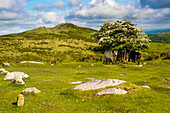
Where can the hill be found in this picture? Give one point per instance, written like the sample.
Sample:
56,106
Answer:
64,42
161,37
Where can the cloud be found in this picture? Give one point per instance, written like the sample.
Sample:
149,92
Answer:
155,3
44,7
14,5
73,3
40,7
97,12
58,4
101,9
51,17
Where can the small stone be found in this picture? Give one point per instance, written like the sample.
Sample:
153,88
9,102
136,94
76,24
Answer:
20,100
146,87
2,69
92,65
33,89
6,64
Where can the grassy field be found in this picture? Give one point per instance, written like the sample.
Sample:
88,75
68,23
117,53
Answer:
57,93
71,46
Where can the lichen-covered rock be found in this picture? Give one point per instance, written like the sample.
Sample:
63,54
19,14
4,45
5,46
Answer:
20,100
18,80
112,91
99,83
11,76
29,90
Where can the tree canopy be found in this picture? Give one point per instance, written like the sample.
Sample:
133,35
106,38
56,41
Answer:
121,35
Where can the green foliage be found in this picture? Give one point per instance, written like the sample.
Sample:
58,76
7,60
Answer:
121,35
161,37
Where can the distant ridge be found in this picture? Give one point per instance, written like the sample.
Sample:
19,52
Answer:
161,37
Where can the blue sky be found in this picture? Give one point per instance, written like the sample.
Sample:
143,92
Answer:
21,15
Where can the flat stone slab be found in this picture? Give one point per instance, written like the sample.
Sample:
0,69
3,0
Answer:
32,89
98,84
12,75
31,62
112,91
77,82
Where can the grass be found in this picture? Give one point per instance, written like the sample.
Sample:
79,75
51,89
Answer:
57,93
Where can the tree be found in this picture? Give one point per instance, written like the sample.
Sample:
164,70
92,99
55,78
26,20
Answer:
122,36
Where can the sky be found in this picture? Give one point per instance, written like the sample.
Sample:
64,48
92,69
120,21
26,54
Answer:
21,15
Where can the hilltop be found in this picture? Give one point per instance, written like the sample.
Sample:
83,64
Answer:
64,42
161,37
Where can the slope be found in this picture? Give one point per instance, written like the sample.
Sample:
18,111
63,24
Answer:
64,42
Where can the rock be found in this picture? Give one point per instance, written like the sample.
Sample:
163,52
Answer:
11,76
20,100
33,89
99,83
92,65
31,62
18,80
146,87
77,82
4,72
112,91
2,69
6,64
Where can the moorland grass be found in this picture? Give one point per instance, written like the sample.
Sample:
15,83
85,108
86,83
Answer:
57,93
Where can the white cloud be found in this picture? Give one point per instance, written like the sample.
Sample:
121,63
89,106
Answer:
53,18
73,3
8,15
58,4
14,5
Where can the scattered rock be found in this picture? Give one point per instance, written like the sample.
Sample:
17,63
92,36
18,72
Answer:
4,72
146,87
99,83
11,76
77,82
18,80
6,64
31,62
92,65
79,67
2,69
122,74
112,91
33,89
20,100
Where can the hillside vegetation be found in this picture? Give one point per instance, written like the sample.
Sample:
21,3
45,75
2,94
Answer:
65,42
161,37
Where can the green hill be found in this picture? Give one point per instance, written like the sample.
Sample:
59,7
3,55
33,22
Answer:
64,42
161,37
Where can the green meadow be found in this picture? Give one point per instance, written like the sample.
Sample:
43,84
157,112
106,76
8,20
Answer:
58,94
74,52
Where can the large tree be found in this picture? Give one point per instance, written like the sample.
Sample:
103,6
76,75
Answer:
122,36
